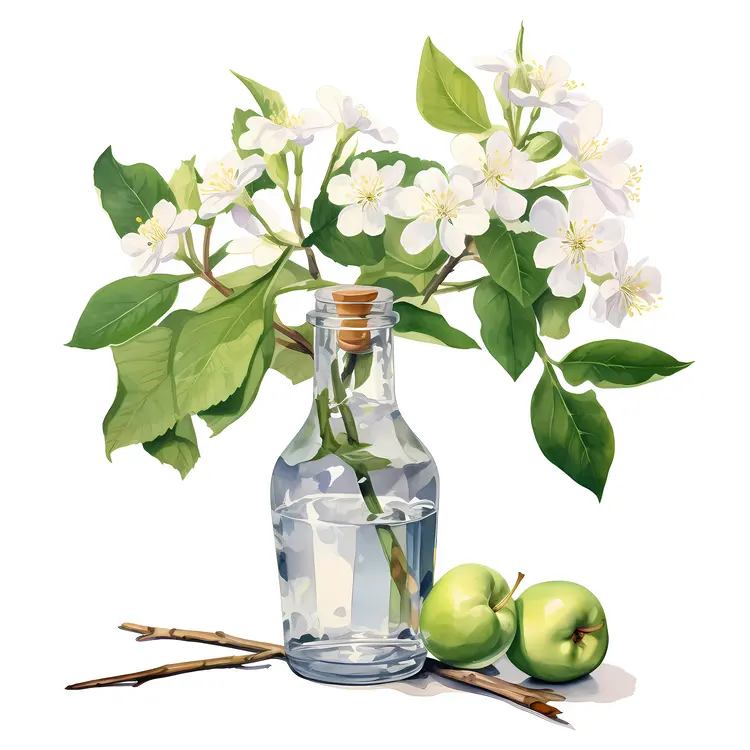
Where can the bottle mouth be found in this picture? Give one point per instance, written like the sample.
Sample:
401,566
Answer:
350,307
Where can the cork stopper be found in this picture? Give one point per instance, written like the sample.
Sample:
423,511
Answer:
353,304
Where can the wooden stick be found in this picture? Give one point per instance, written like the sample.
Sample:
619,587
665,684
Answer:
536,700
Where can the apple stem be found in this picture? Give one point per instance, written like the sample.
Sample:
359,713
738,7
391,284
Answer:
509,595
580,632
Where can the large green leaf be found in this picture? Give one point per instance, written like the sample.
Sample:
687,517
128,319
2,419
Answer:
509,259
363,250
294,365
129,192
508,328
269,101
145,405
573,432
177,447
391,268
124,308
220,416
614,363
216,346
553,312
413,319
446,97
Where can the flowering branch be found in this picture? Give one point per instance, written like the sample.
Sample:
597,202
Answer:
450,264
207,273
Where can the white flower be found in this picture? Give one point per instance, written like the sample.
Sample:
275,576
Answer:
553,88
433,200
602,161
224,180
343,110
156,238
577,240
271,135
631,290
258,244
494,171
368,194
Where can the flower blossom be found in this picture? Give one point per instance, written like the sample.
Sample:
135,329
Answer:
578,240
368,194
343,110
225,179
630,291
272,134
493,171
438,205
157,239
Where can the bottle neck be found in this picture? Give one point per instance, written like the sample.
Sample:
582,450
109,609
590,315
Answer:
369,374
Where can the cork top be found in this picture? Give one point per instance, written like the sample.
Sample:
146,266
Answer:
354,311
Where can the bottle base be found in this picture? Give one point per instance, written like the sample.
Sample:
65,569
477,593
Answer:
357,662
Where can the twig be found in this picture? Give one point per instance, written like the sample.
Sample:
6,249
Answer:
536,700
442,274
294,336
291,345
206,273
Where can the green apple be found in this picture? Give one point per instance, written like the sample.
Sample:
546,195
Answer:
468,619
562,632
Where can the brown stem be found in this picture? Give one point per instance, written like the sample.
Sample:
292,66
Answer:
509,595
578,634
443,273
535,699
291,345
207,274
294,336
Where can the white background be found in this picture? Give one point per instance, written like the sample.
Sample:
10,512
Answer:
88,544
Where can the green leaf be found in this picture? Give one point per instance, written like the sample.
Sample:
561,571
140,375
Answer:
220,416
508,329
269,101
358,457
278,169
543,146
418,320
145,405
177,447
446,97
553,312
532,195
573,432
399,287
215,348
292,364
363,250
509,259
124,308
519,46
614,363
393,269
184,186
129,192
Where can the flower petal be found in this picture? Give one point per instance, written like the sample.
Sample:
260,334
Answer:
134,244
461,188
216,203
549,218
600,263
569,135
273,139
522,99
256,127
452,239
621,260
467,151
589,122
491,63
350,221
431,180
169,247
614,200
408,203
549,253
382,133
584,206
499,146
472,219
184,220
311,119
650,279
509,204
148,263
341,190
557,70
364,169
392,174
332,100
522,171
373,220
608,288
165,213
566,279
245,220
617,151
267,253
243,245
250,169
418,234
608,234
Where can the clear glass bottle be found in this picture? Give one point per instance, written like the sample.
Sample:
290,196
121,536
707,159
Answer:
354,500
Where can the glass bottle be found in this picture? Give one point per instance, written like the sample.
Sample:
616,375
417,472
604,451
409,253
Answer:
354,501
